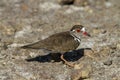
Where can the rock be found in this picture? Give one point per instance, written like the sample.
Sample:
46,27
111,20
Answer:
118,46
85,73
82,73
10,31
7,30
76,75
103,31
78,66
24,7
91,54
88,79
105,51
7,40
112,46
17,76
115,78
81,2
108,63
66,2
96,31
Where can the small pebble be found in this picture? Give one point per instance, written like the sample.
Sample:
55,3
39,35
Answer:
66,2
78,66
108,63
81,2
103,31
118,46
96,31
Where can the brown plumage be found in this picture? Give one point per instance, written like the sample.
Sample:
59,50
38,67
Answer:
60,42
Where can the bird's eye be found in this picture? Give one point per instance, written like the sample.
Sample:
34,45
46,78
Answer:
78,30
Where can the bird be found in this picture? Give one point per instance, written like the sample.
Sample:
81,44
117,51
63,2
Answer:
61,42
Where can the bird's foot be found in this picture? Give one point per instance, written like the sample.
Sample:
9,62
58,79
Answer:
69,64
66,62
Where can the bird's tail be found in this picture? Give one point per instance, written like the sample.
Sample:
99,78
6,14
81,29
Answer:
31,46
24,47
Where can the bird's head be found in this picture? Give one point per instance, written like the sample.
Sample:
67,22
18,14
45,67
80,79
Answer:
78,30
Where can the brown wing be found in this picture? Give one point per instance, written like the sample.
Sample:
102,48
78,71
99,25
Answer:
60,42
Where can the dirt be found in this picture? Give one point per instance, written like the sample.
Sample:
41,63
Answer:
23,22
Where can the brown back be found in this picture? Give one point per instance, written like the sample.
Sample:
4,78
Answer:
60,42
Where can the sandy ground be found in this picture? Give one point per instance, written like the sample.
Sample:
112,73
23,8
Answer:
23,22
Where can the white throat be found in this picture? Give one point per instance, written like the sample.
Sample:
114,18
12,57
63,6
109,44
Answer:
75,37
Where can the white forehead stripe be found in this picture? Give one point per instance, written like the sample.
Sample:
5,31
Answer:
83,29
73,30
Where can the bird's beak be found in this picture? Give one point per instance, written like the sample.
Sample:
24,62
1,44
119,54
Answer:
86,34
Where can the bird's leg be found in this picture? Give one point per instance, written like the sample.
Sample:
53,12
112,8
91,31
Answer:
66,62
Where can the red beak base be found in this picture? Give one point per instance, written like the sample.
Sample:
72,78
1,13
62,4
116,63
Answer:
86,34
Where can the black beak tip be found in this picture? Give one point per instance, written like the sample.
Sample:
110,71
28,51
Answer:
89,35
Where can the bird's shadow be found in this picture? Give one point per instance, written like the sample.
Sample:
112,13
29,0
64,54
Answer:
69,56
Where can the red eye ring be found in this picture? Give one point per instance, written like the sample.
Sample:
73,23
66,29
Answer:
78,30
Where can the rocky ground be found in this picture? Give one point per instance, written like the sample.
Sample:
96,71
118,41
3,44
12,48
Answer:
23,22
